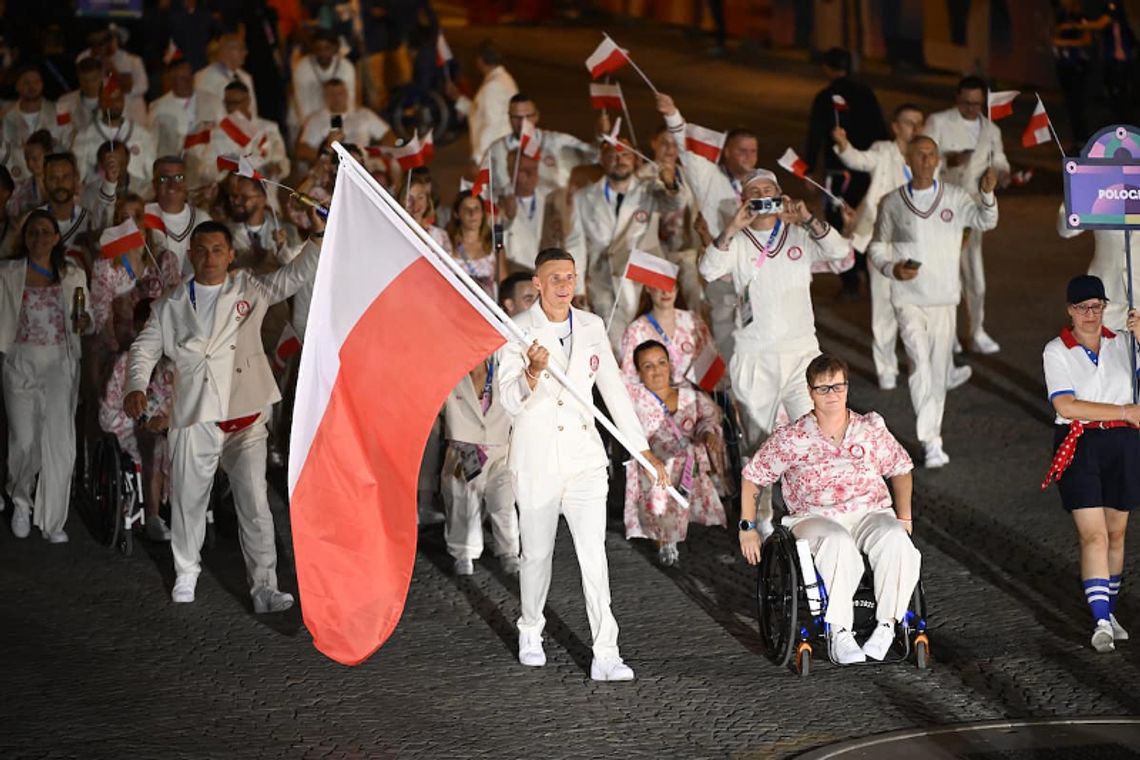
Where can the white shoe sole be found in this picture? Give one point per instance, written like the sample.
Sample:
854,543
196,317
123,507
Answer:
1102,641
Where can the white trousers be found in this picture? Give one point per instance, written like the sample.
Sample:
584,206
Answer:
196,452
838,545
764,381
927,332
41,391
463,505
884,325
581,497
974,281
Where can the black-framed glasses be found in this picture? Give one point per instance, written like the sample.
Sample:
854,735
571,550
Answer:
1088,308
823,390
164,178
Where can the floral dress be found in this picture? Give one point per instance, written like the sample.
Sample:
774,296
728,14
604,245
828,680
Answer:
154,454
690,337
116,290
649,511
42,318
482,270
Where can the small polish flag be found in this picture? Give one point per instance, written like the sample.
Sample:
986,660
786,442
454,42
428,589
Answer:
482,180
605,96
612,137
529,143
708,368
239,166
111,84
839,103
237,128
115,241
1021,178
704,142
1000,104
606,59
651,270
200,137
409,155
793,163
1037,131
152,218
428,146
173,54
62,118
288,346
442,50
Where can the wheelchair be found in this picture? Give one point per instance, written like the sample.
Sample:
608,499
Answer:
791,602
115,486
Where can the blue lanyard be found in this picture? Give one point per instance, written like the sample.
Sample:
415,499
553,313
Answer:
657,326
130,270
910,185
764,249
571,335
40,270
193,295
908,175
490,376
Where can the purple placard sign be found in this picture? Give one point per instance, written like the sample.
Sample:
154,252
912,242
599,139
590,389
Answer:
1102,187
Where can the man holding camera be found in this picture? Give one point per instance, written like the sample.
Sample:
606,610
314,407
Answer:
918,245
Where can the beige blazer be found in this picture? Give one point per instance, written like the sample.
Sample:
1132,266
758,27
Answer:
464,419
223,375
553,433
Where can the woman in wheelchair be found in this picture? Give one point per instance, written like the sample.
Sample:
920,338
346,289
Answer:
833,462
683,426
143,440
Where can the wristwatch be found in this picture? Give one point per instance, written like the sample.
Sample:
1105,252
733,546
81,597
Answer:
748,525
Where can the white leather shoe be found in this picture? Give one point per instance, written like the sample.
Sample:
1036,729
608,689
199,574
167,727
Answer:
56,537
21,522
1118,632
879,642
267,599
935,456
984,344
1102,637
959,376
530,650
610,670
845,650
464,567
184,587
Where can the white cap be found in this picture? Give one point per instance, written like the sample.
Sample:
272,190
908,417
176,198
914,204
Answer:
760,174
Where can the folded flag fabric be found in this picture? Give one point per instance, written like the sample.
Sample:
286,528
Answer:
708,368
652,271
238,165
793,163
606,59
115,241
704,142
1000,104
1037,131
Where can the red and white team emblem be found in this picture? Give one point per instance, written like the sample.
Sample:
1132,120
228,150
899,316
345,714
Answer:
594,361
642,216
856,451
947,215
795,252
687,347
242,308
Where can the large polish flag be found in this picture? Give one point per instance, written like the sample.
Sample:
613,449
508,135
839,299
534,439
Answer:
391,331
651,270
704,142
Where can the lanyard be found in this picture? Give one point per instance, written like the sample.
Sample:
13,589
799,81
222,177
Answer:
766,247
910,184
487,382
908,175
193,295
571,335
131,271
669,415
657,326
533,204
40,270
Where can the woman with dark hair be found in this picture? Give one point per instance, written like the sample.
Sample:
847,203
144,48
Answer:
42,314
683,426
470,232
683,333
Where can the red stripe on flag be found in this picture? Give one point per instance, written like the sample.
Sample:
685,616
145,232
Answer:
234,133
650,277
712,375
353,507
703,149
196,138
154,222
124,244
62,118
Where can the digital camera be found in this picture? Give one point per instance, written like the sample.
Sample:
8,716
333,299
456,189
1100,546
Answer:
765,206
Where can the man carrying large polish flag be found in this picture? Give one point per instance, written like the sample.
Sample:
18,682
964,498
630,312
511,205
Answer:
385,289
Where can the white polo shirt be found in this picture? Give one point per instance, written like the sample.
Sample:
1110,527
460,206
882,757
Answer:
1072,369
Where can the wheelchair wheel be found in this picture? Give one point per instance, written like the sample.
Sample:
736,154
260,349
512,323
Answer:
778,598
126,539
922,651
803,659
107,491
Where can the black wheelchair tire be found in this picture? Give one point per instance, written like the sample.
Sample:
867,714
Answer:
778,598
107,491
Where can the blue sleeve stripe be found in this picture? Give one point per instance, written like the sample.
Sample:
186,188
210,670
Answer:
1055,394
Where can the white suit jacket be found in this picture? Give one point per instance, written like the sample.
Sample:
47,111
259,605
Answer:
717,195
463,416
887,167
953,133
309,82
126,62
523,234
600,240
216,76
488,120
81,113
171,118
559,153
16,133
552,433
224,375
12,274
140,144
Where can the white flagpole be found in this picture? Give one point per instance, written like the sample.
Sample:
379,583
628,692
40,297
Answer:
629,122
631,63
1052,131
505,325
617,296
616,144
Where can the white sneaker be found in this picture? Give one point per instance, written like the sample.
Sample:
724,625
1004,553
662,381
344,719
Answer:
510,563
845,650
56,537
267,599
984,344
530,650
156,529
879,642
888,382
464,567
667,555
21,522
610,670
184,587
1118,632
935,456
959,376
1102,637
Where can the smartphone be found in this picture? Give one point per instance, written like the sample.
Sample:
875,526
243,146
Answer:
766,206
336,122
912,264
